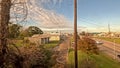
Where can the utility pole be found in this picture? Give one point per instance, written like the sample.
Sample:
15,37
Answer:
109,28
115,50
75,33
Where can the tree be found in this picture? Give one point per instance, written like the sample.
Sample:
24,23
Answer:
23,33
34,30
14,30
87,45
5,17
83,33
30,31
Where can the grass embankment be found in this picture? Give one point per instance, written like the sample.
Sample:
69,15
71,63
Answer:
51,44
99,61
116,40
20,43
38,55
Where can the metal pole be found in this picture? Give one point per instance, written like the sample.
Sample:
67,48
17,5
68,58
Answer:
75,33
109,31
114,50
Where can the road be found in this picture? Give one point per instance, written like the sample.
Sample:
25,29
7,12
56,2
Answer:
110,48
62,56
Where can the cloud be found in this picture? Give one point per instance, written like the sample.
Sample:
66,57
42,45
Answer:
49,18
45,18
99,29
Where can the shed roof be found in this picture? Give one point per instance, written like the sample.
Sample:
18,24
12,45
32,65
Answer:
41,36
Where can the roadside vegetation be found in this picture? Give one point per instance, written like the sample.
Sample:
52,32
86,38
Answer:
116,40
95,61
51,44
23,53
89,56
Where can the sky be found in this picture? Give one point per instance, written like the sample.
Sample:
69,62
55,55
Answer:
93,15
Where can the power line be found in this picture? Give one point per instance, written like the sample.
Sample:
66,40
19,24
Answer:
90,22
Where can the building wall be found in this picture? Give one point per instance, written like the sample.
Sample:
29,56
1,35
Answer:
39,41
54,38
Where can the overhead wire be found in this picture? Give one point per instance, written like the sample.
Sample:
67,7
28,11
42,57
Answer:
90,22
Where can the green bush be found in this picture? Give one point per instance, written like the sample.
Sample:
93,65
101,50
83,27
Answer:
88,45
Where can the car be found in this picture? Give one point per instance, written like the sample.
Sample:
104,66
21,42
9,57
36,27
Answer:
99,42
118,56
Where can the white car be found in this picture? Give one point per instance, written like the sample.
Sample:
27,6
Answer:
99,42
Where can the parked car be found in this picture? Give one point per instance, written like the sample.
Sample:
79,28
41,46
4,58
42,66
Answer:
99,42
118,56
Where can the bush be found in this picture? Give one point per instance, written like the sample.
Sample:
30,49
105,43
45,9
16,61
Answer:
88,45
71,49
26,40
29,57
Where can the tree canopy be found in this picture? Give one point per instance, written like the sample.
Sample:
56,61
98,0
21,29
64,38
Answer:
34,30
87,45
14,30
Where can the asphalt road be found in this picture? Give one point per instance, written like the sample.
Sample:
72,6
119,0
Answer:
110,48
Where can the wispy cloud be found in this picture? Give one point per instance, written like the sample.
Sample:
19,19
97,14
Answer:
36,12
47,18
43,17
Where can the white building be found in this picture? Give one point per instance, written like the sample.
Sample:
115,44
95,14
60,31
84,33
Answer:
39,38
43,38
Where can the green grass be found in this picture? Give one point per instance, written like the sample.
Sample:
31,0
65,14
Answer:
101,60
117,40
51,44
72,39
19,43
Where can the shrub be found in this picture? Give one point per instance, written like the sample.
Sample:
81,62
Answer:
87,45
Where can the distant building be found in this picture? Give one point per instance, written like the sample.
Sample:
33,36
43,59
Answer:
102,34
39,38
54,37
43,38
112,34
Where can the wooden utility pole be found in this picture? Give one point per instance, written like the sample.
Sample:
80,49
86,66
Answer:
4,20
75,33
109,31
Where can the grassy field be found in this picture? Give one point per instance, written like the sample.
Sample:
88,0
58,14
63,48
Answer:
117,40
51,44
98,61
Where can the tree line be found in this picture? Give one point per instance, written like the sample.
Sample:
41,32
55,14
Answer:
16,31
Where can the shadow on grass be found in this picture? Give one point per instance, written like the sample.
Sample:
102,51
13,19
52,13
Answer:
88,63
85,63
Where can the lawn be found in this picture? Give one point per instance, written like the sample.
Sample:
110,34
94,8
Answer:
51,44
116,40
99,61
17,43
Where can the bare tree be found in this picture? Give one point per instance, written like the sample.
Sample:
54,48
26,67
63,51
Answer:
5,17
5,7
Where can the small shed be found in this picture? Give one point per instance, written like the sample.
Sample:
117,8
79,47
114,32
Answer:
39,38
54,37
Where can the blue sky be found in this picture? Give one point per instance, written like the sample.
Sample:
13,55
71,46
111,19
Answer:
92,14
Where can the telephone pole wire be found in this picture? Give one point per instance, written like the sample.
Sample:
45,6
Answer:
75,33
